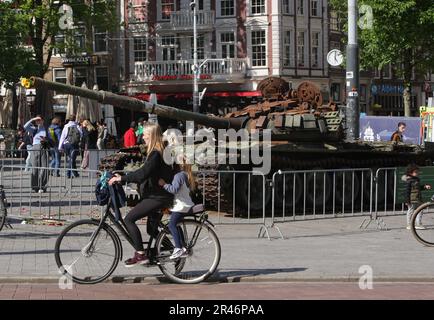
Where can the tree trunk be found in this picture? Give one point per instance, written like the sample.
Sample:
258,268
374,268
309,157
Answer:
407,99
14,108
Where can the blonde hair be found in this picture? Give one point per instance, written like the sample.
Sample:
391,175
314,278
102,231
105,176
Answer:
187,168
156,139
88,125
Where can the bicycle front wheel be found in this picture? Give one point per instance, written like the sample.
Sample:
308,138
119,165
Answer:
87,253
424,216
202,256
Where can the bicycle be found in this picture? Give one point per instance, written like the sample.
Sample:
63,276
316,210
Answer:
424,213
197,234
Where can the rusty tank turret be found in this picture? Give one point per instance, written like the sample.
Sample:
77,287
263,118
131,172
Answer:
306,134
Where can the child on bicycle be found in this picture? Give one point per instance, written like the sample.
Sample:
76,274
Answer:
180,187
413,194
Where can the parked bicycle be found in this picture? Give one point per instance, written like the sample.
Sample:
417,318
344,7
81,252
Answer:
424,215
88,251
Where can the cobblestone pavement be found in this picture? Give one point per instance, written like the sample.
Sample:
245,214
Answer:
327,249
222,291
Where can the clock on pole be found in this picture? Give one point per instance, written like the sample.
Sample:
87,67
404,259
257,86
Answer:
335,57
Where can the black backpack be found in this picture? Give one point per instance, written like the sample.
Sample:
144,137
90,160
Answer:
73,136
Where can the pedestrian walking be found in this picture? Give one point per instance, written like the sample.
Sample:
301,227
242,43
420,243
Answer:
130,136
40,150
28,140
102,135
139,131
54,133
413,194
89,140
70,142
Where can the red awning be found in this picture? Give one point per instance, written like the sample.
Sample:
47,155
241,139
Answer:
163,96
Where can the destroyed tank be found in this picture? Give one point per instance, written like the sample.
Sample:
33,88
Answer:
305,135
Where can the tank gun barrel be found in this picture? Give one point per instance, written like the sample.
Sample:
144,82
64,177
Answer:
137,105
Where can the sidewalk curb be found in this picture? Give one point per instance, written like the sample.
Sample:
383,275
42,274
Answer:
218,279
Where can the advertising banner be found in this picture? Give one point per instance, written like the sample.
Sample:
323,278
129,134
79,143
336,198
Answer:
374,128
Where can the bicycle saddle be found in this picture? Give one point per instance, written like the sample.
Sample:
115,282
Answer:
198,208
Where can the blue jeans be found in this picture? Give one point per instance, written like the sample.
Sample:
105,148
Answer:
55,160
29,157
71,153
174,219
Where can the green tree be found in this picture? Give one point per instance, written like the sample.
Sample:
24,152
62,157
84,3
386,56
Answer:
41,20
16,60
402,34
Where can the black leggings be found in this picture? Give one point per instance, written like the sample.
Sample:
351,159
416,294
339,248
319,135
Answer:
143,209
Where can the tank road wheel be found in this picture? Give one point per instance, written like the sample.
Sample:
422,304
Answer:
288,190
318,189
347,189
257,185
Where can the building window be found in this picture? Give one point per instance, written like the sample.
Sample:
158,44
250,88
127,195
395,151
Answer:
227,7
140,49
259,48
80,39
102,78
168,46
300,7
100,40
227,41
335,92
80,76
335,22
167,7
258,6
200,47
385,72
300,48
287,49
59,42
286,6
314,10
315,49
59,75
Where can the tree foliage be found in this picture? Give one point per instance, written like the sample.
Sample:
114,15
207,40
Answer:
402,34
15,59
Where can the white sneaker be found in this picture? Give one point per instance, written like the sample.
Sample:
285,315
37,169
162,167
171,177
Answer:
177,253
420,227
41,191
408,227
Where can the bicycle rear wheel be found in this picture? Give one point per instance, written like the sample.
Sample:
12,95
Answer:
203,249
424,215
83,260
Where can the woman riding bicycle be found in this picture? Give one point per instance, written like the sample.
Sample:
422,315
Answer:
153,196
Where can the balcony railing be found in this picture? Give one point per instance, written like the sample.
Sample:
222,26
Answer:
184,19
211,69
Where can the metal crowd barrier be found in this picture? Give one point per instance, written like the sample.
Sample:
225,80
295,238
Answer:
59,198
236,205
15,157
387,181
314,194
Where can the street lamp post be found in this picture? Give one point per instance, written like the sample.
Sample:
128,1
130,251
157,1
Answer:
352,76
196,68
